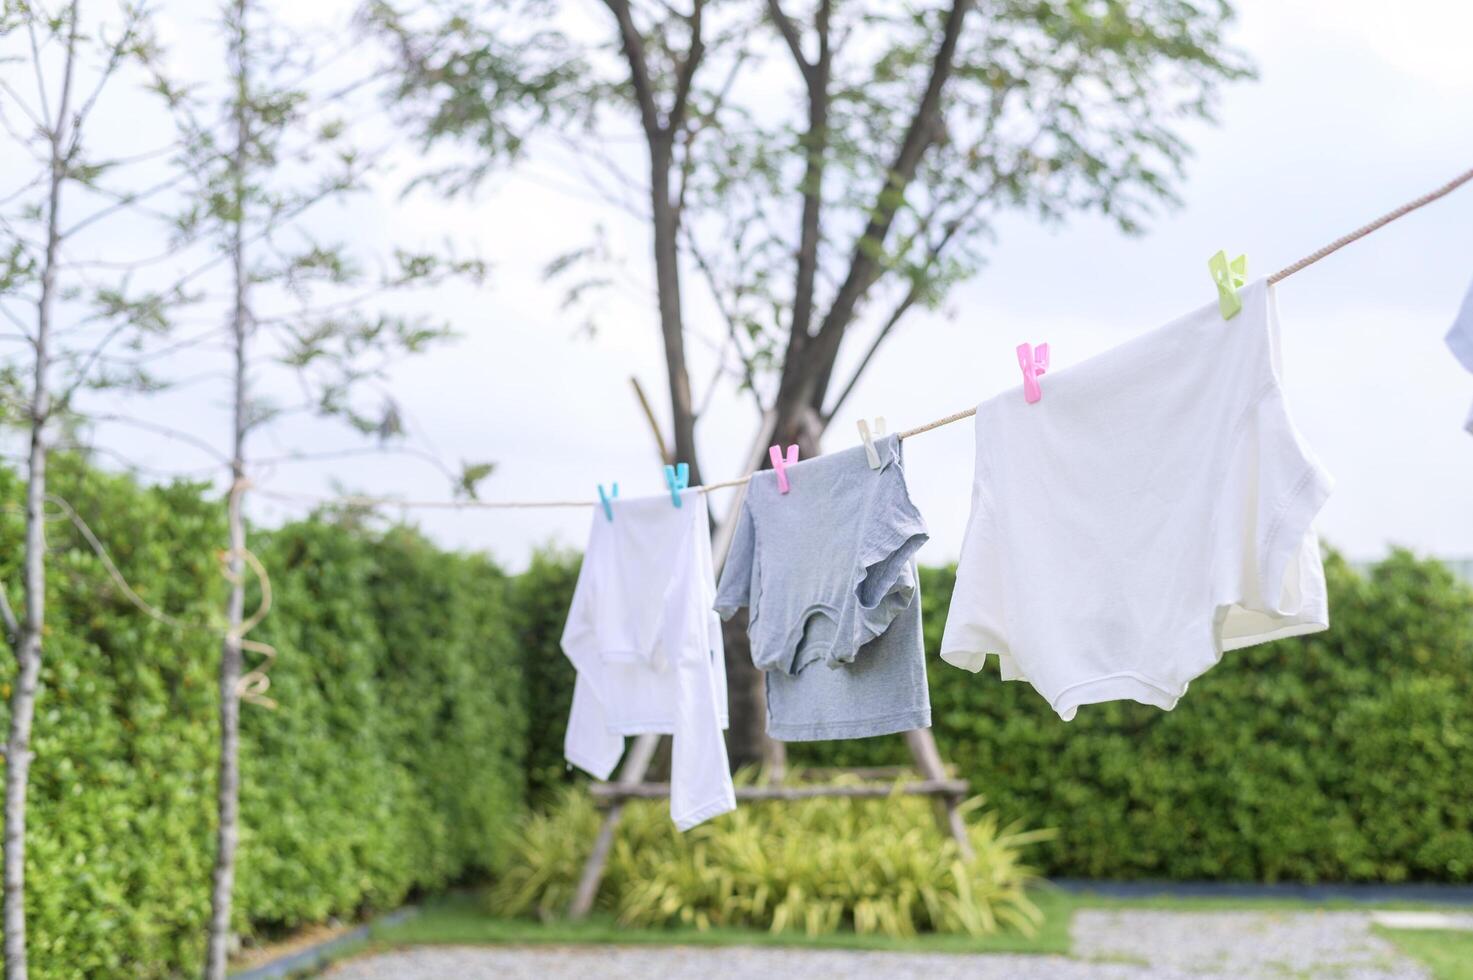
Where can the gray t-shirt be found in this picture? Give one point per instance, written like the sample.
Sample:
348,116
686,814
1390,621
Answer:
828,571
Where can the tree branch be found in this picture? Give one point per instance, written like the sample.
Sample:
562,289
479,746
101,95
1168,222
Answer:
135,16
128,462
639,72
92,358
789,32
810,235
687,163
911,295
686,73
7,615
728,315
41,125
864,263
40,79
952,227
299,456
163,430
123,200
20,324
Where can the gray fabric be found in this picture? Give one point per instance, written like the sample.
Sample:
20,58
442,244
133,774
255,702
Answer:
882,692
829,573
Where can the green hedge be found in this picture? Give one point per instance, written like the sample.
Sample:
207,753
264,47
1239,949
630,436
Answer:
394,762
541,596
1343,756
423,698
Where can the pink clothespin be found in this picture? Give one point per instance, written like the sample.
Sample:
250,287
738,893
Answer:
780,465
1033,361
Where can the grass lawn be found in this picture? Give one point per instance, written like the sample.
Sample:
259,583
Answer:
464,919
1448,954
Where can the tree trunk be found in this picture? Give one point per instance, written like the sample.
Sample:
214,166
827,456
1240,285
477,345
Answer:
23,707
815,150
28,647
746,698
747,741
227,833
666,224
28,654
32,628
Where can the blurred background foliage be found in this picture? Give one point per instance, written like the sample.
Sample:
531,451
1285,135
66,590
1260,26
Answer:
816,866
422,699
392,765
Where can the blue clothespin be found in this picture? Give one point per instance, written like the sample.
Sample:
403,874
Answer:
677,478
1229,277
604,499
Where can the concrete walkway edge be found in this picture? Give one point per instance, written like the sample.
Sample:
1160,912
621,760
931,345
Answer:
1368,893
318,955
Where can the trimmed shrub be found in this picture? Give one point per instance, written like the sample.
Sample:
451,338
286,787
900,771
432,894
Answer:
540,597
392,764
1341,756
816,866
120,802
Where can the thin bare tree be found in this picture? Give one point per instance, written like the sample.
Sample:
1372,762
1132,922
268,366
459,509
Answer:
264,150
66,310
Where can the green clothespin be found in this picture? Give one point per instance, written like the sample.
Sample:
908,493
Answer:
1229,277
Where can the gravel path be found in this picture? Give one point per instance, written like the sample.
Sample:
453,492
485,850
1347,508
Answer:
1127,945
1244,944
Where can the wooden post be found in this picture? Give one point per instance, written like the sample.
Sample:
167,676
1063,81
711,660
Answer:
631,775
612,793
923,749
649,413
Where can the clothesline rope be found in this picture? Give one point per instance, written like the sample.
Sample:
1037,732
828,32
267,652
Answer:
1284,273
1376,225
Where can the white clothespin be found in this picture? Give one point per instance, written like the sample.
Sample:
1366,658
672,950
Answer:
869,440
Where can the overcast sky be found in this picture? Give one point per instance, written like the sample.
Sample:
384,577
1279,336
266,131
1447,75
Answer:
1360,106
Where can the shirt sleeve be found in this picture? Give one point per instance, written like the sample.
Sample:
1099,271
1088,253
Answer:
1269,573
579,641
976,620
894,532
588,744
1460,342
700,774
1460,336
735,590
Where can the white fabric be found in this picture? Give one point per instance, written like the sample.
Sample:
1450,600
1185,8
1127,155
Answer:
1151,511
646,644
1460,339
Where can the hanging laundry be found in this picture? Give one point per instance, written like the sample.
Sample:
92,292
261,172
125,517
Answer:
647,649
829,573
1151,512
1460,339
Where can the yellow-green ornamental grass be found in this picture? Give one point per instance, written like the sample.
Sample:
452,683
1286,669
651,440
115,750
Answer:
816,866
